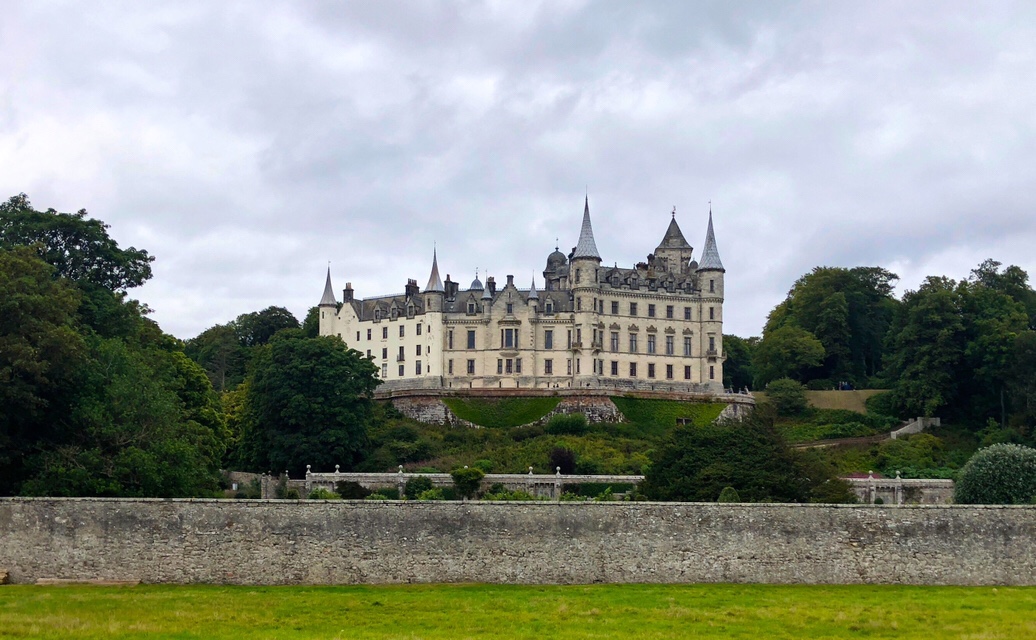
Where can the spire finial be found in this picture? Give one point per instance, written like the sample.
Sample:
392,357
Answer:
674,212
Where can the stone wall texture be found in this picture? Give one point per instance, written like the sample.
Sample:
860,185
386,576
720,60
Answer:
336,542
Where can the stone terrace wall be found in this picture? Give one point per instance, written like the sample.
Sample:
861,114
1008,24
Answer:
336,542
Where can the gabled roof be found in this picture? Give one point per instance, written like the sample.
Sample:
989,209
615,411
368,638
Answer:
710,254
328,299
586,247
434,281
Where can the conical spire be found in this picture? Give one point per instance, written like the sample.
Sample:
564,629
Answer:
434,281
586,247
673,238
487,294
710,254
533,295
328,299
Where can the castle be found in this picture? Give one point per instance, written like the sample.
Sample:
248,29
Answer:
657,325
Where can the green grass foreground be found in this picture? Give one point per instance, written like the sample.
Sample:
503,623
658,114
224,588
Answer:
494,611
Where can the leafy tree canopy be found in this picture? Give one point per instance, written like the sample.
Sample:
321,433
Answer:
998,474
787,352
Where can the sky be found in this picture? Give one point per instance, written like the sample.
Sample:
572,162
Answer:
248,144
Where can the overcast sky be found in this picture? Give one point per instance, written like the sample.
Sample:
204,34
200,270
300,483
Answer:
247,144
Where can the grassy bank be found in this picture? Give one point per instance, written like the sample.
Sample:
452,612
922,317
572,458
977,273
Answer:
487,611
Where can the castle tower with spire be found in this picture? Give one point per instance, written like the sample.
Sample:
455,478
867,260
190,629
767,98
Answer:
655,326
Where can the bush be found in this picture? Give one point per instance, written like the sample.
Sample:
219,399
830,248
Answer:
567,424
510,496
320,493
560,457
729,494
350,490
431,494
486,466
999,474
377,496
787,396
467,481
882,404
416,486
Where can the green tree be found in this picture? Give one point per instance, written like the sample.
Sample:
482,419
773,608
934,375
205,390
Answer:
257,328
467,481
737,367
220,352
78,247
729,494
697,463
999,474
786,352
311,323
310,401
787,396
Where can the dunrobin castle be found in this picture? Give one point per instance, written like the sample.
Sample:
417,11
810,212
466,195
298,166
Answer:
657,325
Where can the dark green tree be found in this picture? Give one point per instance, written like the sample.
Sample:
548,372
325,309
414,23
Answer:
256,328
786,352
467,481
737,367
787,396
999,474
220,352
309,401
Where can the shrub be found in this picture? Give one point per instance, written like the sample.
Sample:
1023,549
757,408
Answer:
883,404
320,493
467,481
998,474
377,496
879,501
787,396
431,494
729,494
416,486
567,424
563,458
510,496
351,490
486,466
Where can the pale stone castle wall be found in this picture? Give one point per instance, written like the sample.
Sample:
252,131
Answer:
338,542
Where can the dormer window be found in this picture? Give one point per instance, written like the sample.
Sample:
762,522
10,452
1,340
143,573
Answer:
615,281
395,313
377,314
549,308
471,307
410,311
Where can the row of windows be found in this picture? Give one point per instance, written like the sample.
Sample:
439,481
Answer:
384,332
509,340
514,366
402,369
634,309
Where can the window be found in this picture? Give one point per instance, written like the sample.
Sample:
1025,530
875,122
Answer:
384,371
669,311
669,372
615,308
651,311
712,343
550,307
377,315
633,369
510,366
712,372
449,339
368,353
548,339
401,357
499,366
449,367
651,343
669,350
510,307
601,307
417,367
368,334
615,367
548,367
569,340
633,308
508,338
401,372
712,286
384,353
686,373
471,308
517,365
471,367
418,328
579,304
568,365
686,313
418,349
651,369
712,313
577,366
615,340
687,346
633,343
579,336
357,336
578,272
471,338
402,330
384,333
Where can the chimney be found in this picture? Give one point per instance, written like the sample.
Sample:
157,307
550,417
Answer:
347,293
491,285
510,281
411,288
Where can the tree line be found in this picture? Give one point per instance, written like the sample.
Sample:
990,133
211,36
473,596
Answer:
961,349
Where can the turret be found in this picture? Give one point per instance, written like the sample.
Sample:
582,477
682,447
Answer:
674,253
434,291
328,306
710,269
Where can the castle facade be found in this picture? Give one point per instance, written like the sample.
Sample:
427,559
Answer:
657,325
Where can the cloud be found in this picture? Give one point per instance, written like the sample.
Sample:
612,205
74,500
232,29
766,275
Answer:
246,144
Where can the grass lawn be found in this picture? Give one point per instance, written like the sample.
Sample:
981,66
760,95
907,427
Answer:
489,611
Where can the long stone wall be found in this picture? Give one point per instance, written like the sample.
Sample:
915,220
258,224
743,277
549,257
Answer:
336,542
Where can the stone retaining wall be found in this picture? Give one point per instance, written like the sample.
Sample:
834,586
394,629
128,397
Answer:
344,542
